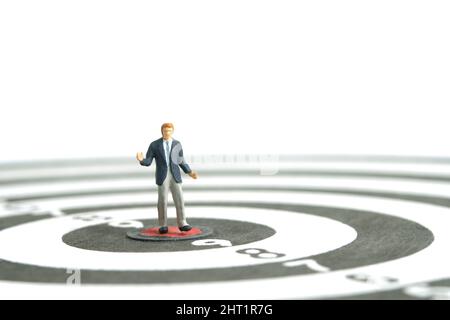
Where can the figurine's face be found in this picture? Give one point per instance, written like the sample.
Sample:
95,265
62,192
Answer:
167,133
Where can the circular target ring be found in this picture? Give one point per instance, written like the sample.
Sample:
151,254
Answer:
395,229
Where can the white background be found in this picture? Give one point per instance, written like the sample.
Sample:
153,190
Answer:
98,78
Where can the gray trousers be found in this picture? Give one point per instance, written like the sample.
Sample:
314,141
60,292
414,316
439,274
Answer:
177,196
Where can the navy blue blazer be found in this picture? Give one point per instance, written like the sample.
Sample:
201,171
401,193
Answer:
156,150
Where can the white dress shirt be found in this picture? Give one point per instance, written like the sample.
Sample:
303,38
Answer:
165,149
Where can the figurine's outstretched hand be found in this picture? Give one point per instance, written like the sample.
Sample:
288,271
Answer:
139,156
193,174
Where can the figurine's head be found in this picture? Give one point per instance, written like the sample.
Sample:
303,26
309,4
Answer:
167,130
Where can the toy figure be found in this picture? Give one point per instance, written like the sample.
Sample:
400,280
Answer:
168,154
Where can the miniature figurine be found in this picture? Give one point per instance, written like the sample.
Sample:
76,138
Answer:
168,154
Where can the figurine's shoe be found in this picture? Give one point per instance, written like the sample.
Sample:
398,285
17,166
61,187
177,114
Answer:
185,228
163,230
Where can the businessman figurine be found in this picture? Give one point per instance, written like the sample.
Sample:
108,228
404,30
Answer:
168,155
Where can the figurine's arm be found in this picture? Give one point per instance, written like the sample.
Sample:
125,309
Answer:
183,165
148,157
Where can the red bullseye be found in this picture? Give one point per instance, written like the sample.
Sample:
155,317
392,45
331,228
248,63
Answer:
173,232
152,234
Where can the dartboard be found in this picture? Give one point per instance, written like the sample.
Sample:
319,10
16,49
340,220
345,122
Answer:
294,227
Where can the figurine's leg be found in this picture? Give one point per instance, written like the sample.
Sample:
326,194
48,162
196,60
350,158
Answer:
177,195
163,191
